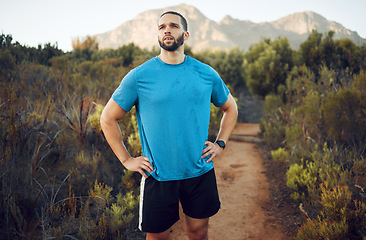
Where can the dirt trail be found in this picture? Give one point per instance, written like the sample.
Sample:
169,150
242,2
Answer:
243,189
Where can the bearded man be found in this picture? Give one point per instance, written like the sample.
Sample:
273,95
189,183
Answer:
172,94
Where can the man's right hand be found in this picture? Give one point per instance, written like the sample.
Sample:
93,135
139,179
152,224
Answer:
138,164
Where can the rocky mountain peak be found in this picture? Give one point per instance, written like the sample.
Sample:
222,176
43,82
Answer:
302,23
228,33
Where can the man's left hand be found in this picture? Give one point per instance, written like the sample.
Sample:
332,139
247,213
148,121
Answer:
212,149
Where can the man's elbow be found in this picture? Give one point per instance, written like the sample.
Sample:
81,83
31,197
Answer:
231,107
103,120
234,110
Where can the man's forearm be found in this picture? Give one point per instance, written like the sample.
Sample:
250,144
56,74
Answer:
228,120
227,125
113,135
108,121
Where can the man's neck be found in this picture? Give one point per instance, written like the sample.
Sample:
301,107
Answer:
175,57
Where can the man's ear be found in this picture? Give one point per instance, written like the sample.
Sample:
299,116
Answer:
186,35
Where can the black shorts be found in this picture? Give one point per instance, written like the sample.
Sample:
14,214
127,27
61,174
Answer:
159,201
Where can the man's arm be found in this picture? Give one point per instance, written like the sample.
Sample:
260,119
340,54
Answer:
227,125
108,121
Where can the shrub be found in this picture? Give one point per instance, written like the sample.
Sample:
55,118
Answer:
321,230
302,178
272,127
122,212
94,118
339,218
280,155
345,118
316,167
273,133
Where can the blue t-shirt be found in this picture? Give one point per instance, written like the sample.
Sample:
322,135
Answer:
173,113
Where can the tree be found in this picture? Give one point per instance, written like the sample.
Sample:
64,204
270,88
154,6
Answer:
229,64
5,40
349,55
89,42
268,64
328,51
128,53
310,53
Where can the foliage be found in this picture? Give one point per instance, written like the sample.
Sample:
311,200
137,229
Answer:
302,179
52,149
318,51
121,212
315,124
94,119
280,155
272,129
229,64
16,53
100,216
268,64
339,218
89,42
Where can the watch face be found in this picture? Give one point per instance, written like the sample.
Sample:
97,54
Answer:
221,144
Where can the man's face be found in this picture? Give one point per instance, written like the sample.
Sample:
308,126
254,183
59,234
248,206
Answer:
171,34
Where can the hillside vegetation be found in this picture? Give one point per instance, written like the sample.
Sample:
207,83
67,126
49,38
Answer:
59,178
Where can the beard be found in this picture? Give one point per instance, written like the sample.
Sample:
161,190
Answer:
176,44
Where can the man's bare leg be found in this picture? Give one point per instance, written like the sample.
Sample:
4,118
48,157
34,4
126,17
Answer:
159,236
197,229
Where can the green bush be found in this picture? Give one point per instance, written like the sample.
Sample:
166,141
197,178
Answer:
324,133
94,119
345,118
280,155
316,167
339,217
272,133
302,178
272,128
122,212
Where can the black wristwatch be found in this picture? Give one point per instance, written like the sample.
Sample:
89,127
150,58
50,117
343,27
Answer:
221,143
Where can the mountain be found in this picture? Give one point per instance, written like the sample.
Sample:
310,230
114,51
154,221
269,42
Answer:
228,33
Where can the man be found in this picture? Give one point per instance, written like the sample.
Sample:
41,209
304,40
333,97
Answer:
172,94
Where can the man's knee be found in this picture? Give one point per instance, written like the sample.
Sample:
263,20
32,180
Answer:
197,229
197,234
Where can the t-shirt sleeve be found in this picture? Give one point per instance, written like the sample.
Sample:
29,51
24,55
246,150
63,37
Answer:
126,94
220,92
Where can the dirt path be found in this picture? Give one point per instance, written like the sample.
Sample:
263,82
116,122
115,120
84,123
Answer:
243,189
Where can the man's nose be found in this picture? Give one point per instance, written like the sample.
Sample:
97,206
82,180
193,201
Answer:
167,30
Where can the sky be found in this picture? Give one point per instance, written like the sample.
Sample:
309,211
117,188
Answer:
33,22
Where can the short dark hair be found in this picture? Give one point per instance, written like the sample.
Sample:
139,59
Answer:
182,19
